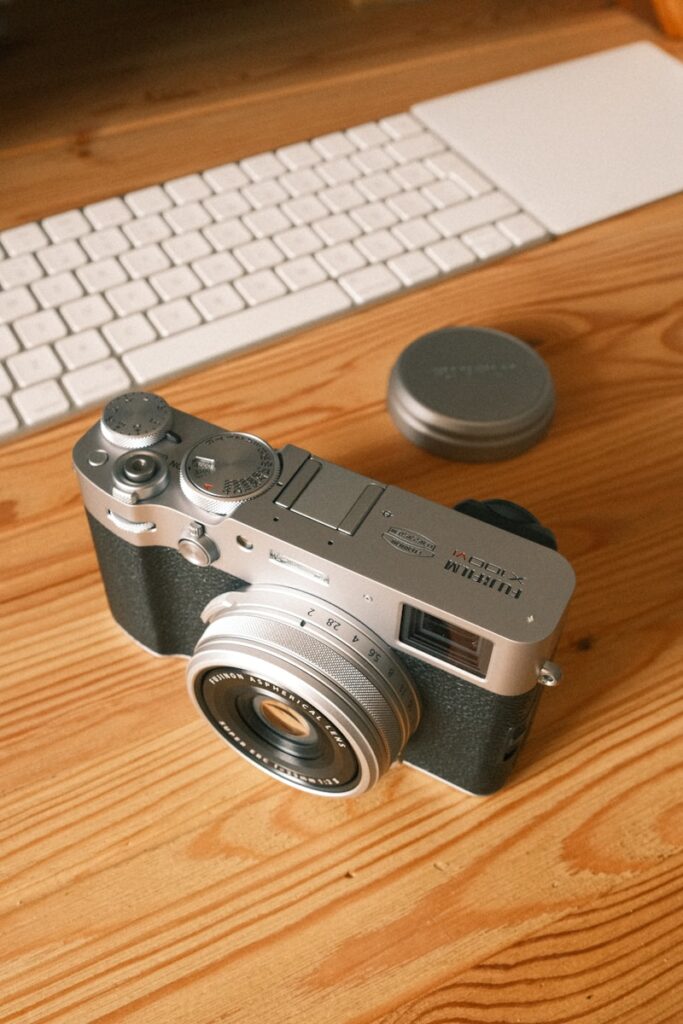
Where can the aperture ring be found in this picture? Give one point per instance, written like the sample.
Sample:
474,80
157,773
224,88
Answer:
297,643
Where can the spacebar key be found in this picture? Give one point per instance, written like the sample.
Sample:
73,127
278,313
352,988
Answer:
229,334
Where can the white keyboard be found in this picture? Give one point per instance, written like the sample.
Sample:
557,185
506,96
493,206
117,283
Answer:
135,289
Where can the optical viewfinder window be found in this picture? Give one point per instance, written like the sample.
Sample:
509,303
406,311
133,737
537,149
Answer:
444,640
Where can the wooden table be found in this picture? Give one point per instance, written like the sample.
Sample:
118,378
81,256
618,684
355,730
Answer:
148,874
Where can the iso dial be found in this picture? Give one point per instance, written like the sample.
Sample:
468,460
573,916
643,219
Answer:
136,420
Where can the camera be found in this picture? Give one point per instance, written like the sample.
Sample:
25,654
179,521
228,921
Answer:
334,625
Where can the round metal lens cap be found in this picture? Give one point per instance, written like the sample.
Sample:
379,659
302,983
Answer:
226,469
136,420
471,393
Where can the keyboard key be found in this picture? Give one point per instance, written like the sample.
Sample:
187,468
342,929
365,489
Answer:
189,217
413,175
65,226
450,255
487,241
108,242
365,136
228,234
262,167
341,198
444,193
110,213
129,332
16,303
176,283
96,382
218,301
372,160
53,291
227,205
374,216
148,230
413,267
298,156
132,297
34,366
41,402
225,178
415,234
401,126
338,172
188,189
379,246
187,248
341,259
448,165
370,283
265,193
6,386
8,343
145,262
260,254
90,311
415,147
245,328
522,229
260,287
300,273
302,183
410,204
148,200
339,228
18,271
173,317
298,242
82,349
65,256
8,421
40,328
218,268
27,238
305,210
473,214
378,186
333,145
265,223
97,277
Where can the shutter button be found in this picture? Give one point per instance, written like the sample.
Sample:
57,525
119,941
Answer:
196,547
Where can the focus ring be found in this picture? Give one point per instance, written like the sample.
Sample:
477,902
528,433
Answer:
296,642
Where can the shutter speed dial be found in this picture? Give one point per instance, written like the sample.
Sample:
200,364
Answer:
222,471
136,420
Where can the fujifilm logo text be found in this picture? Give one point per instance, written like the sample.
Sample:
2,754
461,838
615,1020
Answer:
486,574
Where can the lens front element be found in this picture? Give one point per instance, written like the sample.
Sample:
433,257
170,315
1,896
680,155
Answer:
301,690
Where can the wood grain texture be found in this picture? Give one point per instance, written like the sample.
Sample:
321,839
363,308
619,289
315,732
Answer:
147,875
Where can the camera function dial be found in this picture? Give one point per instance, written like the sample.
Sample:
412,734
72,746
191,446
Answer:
222,471
136,420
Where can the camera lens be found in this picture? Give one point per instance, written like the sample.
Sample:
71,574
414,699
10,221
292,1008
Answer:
283,719
302,690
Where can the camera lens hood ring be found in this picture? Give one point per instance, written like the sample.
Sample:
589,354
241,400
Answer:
263,635
310,686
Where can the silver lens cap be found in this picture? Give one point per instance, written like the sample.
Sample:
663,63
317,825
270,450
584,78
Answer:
471,393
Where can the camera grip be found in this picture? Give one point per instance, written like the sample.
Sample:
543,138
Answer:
467,736
154,594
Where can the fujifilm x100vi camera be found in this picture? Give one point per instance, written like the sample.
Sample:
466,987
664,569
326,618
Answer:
334,625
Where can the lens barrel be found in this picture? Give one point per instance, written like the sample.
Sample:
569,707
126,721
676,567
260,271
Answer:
302,690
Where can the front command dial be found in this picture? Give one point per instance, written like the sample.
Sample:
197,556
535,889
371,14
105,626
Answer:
222,471
136,420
